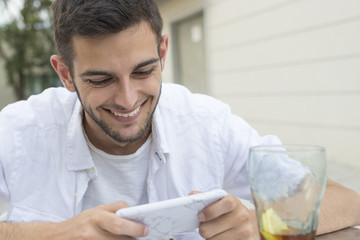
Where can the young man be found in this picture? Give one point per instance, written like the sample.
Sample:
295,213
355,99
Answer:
116,136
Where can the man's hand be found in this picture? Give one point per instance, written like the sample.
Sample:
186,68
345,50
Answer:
101,223
228,218
96,223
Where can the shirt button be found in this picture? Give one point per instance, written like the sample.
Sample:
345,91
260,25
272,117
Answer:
91,170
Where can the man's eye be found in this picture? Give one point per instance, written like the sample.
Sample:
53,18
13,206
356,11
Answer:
144,73
98,82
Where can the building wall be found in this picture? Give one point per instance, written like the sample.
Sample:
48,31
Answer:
289,67
173,11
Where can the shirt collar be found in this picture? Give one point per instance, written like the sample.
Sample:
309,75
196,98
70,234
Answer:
158,131
77,151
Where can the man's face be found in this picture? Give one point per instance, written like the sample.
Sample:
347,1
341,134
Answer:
118,80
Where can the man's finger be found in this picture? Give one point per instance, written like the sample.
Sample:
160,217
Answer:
121,226
113,207
221,207
216,226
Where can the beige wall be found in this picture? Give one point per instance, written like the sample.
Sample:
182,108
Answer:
172,11
290,68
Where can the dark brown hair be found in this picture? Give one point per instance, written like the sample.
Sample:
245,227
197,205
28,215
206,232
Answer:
99,18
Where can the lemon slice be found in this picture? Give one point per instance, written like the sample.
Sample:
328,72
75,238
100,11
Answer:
272,223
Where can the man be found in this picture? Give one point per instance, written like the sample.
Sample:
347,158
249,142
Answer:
69,159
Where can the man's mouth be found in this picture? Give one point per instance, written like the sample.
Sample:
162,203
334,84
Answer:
129,115
125,115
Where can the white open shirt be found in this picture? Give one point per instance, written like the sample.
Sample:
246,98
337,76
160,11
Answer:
45,164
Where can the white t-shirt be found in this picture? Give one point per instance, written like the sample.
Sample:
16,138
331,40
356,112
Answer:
118,178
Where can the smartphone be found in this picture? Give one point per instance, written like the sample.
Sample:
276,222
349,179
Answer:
171,217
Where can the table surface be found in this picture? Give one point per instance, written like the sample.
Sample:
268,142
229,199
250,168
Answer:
344,234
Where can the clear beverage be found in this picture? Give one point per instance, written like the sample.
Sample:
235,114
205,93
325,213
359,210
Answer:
287,184
283,220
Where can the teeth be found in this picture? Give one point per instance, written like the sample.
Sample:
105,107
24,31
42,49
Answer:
130,114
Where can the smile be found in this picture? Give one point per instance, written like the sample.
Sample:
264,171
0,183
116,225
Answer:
126,115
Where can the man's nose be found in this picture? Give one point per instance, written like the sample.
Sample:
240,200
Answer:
125,94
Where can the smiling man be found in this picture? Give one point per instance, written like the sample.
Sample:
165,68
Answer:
118,83
116,136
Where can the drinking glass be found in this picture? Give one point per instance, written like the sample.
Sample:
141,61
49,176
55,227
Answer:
287,185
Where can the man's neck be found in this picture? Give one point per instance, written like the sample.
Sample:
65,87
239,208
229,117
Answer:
109,145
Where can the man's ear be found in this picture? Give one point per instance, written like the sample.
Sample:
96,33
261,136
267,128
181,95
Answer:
163,49
63,71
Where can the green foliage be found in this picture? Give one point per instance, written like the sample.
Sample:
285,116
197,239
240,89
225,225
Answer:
26,46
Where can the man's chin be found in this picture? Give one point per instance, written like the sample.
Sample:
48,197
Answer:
124,139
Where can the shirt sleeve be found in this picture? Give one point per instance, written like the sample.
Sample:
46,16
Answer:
5,149
237,138
4,196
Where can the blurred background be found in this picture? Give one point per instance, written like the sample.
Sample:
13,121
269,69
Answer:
288,67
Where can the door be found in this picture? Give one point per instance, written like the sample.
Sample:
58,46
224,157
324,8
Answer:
189,42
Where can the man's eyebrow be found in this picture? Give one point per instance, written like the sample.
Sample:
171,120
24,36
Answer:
105,73
145,63
95,73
